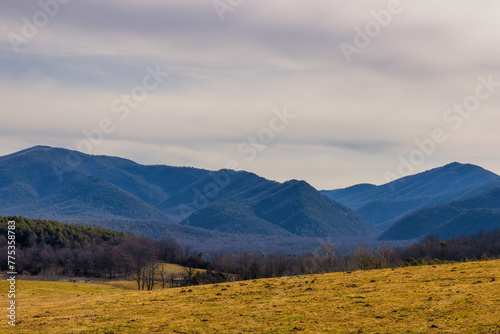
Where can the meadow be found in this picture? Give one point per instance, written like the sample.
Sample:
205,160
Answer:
450,298
119,283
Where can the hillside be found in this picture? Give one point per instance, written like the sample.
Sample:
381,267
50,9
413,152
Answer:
55,233
232,217
383,205
43,186
454,298
292,207
53,183
459,217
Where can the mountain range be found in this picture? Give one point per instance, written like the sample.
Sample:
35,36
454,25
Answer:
54,183
230,207
448,201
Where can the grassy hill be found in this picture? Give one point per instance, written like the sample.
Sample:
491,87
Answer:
454,298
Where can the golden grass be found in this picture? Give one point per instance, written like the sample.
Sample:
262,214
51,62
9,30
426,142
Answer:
130,284
455,298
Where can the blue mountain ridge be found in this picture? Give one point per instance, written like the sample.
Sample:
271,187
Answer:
54,183
385,204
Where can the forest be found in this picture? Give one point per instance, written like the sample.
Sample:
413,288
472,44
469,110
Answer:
58,249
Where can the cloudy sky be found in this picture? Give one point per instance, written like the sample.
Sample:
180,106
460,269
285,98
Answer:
331,92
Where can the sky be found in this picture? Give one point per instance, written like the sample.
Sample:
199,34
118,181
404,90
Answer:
332,92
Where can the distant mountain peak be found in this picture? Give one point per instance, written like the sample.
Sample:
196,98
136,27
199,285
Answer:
459,165
454,164
294,182
40,148
382,205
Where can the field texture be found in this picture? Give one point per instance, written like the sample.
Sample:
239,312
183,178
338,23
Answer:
454,298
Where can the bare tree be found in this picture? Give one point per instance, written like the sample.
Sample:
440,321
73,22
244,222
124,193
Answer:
363,259
140,252
163,275
168,250
389,257
190,271
150,275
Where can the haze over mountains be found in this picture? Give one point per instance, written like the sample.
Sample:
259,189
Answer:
54,183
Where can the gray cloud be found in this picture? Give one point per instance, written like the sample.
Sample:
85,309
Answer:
353,120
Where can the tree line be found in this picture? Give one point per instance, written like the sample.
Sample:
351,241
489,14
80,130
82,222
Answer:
432,250
52,248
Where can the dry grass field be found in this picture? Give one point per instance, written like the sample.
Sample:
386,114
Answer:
453,298
170,269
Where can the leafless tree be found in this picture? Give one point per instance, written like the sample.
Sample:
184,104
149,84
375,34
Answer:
140,252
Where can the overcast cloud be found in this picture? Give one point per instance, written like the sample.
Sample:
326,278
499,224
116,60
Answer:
227,79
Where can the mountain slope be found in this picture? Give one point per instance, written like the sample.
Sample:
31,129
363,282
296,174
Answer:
308,212
30,185
232,217
455,218
223,185
54,183
469,222
383,205
293,207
